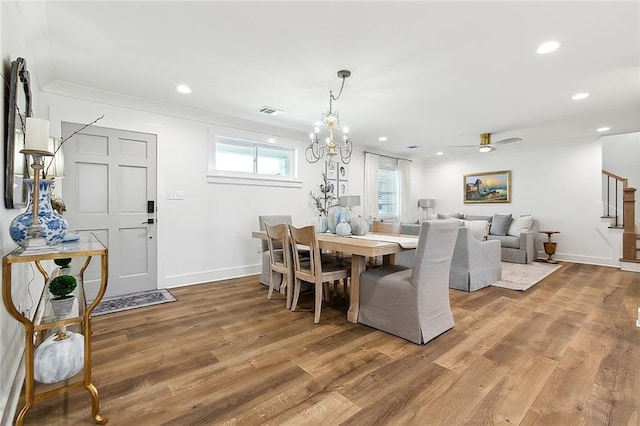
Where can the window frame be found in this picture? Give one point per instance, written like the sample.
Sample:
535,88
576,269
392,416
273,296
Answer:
388,164
255,141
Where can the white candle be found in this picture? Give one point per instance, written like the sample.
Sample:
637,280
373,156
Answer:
37,134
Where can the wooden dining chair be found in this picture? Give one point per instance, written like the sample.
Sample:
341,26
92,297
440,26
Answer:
319,270
280,260
382,228
386,227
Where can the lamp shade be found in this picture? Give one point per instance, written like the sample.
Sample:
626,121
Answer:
37,135
350,200
428,203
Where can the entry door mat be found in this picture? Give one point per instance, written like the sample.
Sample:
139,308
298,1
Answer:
133,301
521,277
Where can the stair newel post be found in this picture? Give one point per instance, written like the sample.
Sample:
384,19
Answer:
629,234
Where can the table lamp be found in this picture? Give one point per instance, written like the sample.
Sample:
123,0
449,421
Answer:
36,144
424,204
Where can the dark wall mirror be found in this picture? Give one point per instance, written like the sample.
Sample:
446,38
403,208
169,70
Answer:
19,107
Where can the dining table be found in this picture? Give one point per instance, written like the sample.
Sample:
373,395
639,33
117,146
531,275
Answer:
361,248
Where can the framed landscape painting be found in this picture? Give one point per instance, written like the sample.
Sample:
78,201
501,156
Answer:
488,187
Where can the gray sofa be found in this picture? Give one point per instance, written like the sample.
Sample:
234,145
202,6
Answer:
521,249
475,263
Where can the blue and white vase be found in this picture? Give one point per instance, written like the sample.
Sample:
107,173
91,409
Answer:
54,224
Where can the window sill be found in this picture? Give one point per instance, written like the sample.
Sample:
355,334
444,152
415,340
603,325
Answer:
253,181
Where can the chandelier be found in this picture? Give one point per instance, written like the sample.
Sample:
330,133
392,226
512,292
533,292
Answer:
315,151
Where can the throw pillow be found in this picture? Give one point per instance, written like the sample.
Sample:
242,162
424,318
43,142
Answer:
485,232
520,224
476,227
500,224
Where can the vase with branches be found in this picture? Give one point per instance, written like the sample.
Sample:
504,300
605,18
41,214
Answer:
322,202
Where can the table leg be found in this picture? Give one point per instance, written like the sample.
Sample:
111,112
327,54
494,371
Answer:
357,267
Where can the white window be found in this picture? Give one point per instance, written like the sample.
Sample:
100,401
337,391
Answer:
388,188
242,161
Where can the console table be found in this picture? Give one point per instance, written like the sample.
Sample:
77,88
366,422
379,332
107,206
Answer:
45,322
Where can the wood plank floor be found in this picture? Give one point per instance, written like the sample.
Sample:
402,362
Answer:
565,352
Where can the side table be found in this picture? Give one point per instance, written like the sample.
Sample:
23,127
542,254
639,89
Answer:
549,247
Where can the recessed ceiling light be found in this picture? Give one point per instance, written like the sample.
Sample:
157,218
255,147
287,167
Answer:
579,96
183,88
382,138
271,140
548,47
603,129
439,153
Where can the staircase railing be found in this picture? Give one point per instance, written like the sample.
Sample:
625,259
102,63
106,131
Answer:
619,184
629,236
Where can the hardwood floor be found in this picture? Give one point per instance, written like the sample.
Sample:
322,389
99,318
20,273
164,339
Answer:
565,352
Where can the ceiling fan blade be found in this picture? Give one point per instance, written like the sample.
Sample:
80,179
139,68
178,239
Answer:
508,140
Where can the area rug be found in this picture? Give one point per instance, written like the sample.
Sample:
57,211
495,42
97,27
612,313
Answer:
134,300
521,277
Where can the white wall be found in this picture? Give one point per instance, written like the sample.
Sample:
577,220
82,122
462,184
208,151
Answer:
560,187
26,281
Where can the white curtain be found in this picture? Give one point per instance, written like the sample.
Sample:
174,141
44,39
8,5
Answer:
404,189
370,199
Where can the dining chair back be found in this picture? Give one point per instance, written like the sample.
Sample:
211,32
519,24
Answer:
317,270
386,227
280,260
265,276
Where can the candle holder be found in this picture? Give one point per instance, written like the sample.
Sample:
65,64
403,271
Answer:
35,242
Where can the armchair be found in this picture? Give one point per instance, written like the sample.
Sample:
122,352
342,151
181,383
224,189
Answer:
475,263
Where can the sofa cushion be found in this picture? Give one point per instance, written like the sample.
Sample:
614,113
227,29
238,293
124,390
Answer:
506,241
520,224
500,224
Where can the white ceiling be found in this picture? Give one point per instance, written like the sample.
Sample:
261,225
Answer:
431,74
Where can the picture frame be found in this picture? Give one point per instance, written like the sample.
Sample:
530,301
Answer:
487,187
333,188
332,171
343,172
343,188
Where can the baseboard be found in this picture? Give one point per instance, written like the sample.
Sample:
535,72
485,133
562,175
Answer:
208,276
629,266
590,260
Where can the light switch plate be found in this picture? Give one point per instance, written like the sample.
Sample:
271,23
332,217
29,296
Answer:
175,195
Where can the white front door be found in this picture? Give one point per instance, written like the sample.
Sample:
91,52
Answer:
110,189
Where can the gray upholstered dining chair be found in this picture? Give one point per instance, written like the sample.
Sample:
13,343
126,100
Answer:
475,264
413,303
317,270
265,276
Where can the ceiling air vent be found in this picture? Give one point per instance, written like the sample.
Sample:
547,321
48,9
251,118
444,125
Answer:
270,110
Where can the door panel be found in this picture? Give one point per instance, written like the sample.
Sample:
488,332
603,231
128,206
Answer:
111,175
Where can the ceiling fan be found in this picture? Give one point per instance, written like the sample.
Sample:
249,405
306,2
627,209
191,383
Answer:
485,143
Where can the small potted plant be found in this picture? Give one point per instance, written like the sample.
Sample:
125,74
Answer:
61,287
63,263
